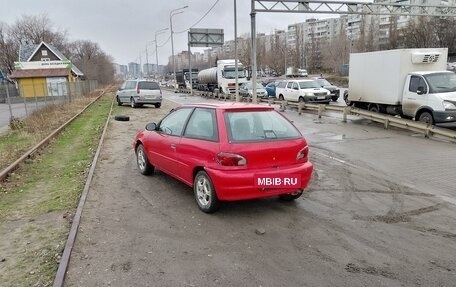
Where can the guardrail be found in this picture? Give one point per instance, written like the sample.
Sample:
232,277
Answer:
387,120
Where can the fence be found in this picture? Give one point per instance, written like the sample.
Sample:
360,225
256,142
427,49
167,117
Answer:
17,101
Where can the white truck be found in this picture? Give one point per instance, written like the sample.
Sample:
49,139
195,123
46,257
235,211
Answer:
293,72
222,77
412,83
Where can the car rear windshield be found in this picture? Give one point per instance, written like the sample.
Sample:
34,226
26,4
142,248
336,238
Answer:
148,86
268,125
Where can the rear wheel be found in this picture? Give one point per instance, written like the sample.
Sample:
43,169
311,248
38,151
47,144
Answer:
374,108
144,165
426,117
132,103
157,105
291,196
204,193
281,97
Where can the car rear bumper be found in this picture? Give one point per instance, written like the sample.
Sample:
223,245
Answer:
148,100
239,184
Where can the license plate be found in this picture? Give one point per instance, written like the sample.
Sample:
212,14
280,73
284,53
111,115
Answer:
321,97
268,181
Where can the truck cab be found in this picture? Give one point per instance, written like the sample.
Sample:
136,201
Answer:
226,74
430,97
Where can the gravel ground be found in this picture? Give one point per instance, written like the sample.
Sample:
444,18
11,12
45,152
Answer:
358,225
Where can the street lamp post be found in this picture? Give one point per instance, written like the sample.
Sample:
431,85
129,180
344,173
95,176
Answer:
171,14
156,45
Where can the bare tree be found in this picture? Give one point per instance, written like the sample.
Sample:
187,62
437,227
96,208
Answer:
275,56
95,64
393,33
336,52
8,50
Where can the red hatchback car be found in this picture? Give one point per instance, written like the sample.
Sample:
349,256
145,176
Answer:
227,151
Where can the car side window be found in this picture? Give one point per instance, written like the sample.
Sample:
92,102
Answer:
281,85
174,123
202,125
130,85
295,86
416,82
289,85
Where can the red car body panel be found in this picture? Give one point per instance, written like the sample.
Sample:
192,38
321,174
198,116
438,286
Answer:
182,157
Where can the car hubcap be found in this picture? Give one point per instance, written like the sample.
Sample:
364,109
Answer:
141,159
203,191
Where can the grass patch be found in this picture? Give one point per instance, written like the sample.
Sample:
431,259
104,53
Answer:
38,200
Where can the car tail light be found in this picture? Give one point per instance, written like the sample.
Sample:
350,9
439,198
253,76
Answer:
231,159
137,90
303,153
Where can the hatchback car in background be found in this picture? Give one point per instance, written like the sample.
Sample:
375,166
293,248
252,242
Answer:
334,90
139,92
227,152
246,90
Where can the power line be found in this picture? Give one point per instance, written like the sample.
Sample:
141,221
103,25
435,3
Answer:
210,9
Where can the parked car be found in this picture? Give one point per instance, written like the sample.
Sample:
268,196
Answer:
246,90
222,149
139,92
271,89
334,90
302,91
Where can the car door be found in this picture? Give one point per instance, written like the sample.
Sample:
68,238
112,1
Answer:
412,101
294,92
162,149
199,144
128,91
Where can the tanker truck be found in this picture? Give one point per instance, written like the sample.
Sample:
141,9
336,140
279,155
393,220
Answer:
222,77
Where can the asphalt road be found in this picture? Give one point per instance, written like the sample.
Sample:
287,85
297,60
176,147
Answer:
379,212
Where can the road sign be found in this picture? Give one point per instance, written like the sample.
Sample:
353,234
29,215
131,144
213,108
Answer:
205,37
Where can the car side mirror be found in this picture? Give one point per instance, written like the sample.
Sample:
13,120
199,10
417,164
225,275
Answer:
421,90
151,127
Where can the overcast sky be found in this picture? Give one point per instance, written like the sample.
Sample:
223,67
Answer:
123,28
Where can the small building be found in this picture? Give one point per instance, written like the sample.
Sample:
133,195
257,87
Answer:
42,70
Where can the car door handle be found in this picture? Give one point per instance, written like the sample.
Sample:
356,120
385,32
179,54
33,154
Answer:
173,146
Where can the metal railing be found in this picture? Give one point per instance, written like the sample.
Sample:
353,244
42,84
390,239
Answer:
18,101
387,120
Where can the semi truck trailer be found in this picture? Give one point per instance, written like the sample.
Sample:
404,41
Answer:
222,77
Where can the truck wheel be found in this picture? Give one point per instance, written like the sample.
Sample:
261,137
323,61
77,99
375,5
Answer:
427,118
301,100
346,100
374,108
280,97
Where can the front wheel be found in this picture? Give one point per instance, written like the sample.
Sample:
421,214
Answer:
142,161
157,105
346,100
119,103
427,118
281,97
204,193
291,196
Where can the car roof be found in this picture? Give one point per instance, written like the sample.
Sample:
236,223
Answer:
230,106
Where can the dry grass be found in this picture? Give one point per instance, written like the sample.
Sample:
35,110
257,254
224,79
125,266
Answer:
26,133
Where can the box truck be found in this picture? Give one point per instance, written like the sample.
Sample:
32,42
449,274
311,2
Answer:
222,77
412,83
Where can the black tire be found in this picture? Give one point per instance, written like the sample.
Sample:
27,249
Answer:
157,106
290,196
142,161
119,103
426,117
346,100
132,103
374,108
301,100
280,97
334,99
122,118
204,193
